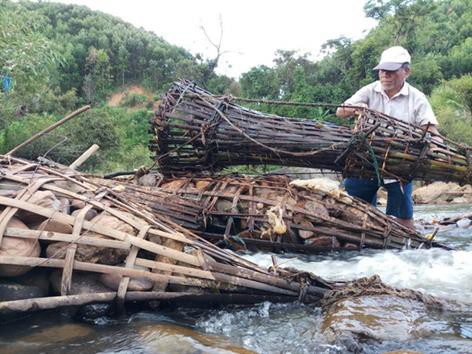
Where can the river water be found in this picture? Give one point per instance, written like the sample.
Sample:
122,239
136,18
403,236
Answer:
367,325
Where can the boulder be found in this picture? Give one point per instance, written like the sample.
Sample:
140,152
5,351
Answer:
148,180
53,226
82,283
10,291
89,216
441,193
92,254
377,317
45,199
112,281
15,246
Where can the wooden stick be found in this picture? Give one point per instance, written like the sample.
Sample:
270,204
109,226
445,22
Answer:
52,302
56,236
84,157
48,129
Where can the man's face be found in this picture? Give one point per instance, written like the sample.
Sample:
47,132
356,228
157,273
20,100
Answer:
392,81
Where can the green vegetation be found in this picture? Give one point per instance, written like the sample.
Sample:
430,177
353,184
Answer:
63,56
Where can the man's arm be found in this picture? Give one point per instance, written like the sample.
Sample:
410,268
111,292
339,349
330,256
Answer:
359,99
345,111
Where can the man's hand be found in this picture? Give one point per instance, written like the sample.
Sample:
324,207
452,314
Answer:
346,111
435,136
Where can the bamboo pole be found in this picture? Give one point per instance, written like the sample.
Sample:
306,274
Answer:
84,157
52,302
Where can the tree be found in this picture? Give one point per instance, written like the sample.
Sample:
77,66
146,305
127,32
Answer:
97,79
452,103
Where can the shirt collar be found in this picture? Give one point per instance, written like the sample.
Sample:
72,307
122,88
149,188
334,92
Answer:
404,91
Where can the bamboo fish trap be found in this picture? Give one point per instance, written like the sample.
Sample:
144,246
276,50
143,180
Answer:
58,219
196,132
272,213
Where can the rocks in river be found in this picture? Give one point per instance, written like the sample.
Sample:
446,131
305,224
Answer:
443,193
170,338
379,318
94,254
58,334
10,291
82,283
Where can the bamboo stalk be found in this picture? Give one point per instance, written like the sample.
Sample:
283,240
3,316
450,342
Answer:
84,157
52,302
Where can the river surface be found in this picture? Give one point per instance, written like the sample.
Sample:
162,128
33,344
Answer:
367,325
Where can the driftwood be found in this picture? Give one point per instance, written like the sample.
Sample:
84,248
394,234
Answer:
137,238
268,213
197,132
454,219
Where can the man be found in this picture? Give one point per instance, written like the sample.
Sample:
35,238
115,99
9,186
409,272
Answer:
391,95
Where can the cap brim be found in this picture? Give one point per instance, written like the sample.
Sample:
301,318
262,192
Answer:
388,66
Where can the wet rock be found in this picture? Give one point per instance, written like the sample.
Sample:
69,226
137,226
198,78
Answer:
37,278
380,317
93,311
59,334
349,343
82,283
169,338
10,291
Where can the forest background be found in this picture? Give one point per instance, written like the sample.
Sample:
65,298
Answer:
60,57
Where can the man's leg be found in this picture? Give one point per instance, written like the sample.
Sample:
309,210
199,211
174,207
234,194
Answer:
400,202
365,189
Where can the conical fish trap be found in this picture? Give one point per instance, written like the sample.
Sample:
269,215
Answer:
272,213
197,132
53,218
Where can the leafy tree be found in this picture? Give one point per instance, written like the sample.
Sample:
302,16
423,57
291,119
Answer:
452,103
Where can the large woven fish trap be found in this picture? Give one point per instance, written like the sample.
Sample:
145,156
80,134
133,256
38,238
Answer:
197,132
57,219
272,213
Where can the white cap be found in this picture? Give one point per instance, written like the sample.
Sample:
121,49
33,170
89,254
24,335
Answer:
393,58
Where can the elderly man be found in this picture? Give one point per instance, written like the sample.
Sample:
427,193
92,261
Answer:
391,95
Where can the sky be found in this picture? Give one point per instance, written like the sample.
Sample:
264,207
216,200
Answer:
252,30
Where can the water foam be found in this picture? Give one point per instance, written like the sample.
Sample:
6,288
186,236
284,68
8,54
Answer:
447,274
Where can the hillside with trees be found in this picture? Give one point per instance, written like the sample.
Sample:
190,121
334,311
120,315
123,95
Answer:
60,57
